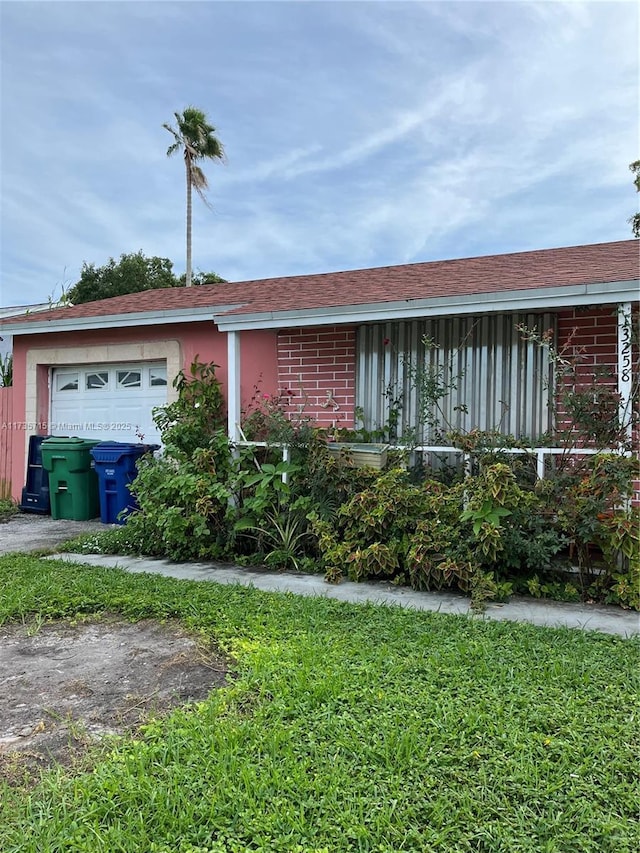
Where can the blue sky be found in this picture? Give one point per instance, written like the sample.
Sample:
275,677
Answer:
357,134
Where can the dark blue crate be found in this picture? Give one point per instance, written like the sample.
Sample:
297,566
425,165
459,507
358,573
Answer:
35,494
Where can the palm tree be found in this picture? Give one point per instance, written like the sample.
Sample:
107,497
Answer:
195,137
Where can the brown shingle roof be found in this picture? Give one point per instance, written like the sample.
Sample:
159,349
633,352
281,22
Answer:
576,265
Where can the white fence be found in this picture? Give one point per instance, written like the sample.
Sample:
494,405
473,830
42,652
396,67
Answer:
540,453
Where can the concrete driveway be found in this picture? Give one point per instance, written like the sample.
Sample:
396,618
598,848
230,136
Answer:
31,532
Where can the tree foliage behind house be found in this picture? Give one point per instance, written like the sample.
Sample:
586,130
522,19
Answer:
132,273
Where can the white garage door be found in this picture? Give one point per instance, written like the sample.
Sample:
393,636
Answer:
108,402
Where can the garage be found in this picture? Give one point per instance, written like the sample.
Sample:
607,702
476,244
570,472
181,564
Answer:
108,402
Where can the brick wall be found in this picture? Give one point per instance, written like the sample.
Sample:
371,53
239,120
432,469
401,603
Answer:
591,333
316,371
591,336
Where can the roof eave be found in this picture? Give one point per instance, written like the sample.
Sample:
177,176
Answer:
119,321
543,298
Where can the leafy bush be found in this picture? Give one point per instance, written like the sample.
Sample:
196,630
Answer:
592,490
473,536
511,523
192,421
183,507
394,529
619,540
329,481
267,516
554,587
183,496
272,418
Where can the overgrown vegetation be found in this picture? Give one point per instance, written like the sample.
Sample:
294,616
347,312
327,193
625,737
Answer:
346,729
492,532
6,370
8,507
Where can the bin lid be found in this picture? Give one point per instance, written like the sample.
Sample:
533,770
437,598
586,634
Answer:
125,447
114,451
73,443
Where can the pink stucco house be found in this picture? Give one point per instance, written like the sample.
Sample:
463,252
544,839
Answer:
339,343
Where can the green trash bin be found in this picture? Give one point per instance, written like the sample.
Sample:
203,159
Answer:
73,482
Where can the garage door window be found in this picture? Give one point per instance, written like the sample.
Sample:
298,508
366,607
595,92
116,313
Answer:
129,379
157,377
67,382
97,381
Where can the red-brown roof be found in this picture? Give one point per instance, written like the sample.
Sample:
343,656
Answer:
576,265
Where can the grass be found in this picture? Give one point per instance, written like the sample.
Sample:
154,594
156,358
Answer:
8,507
346,728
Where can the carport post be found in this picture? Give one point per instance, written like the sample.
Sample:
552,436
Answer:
233,386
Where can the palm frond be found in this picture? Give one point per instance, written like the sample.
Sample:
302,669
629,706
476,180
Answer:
200,184
178,141
198,178
213,149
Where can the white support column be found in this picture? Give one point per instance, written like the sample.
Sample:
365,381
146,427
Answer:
466,457
233,386
286,457
624,364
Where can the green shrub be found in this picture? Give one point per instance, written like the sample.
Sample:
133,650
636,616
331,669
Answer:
619,540
584,497
191,422
268,518
328,481
182,505
392,529
552,585
512,525
183,496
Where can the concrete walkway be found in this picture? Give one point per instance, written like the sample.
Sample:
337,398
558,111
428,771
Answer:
606,619
26,532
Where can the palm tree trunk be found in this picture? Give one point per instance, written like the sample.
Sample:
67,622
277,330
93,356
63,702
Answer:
188,269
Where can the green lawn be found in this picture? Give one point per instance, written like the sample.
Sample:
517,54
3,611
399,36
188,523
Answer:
346,728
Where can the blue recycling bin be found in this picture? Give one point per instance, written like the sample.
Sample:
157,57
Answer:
115,463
